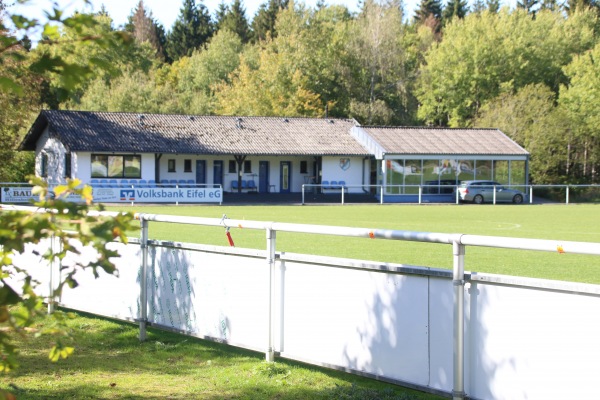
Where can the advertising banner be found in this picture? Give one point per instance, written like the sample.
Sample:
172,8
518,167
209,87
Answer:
158,195
126,195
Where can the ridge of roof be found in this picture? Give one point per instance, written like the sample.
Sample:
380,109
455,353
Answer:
425,127
139,113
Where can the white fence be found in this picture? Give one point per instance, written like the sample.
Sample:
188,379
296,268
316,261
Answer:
447,332
445,193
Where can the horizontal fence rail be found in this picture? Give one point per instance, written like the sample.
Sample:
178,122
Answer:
271,261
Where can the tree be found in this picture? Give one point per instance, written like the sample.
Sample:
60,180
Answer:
20,302
427,9
146,30
455,8
62,220
264,21
192,28
234,19
528,5
478,6
482,52
530,117
384,68
493,6
70,64
579,99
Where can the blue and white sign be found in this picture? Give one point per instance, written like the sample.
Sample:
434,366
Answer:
23,194
125,195
158,195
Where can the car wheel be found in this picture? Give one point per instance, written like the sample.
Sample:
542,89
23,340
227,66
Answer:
478,199
518,199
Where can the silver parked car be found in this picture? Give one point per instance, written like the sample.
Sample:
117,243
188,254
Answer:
480,192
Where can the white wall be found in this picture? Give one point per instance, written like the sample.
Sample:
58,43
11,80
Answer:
356,174
55,151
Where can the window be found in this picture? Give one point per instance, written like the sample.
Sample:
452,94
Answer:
113,166
247,167
68,165
232,167
44,165
187,165
303,167
171,165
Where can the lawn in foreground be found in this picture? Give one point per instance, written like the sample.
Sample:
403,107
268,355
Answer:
110,363
554,222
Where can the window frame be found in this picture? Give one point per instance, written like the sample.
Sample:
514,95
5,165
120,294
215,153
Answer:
68,165
125,160
187,165
304,167
247,167
171,165
232,167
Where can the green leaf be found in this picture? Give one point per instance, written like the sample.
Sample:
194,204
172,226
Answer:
10,86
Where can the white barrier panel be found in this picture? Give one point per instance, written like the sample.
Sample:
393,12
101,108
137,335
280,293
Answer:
366,321
532,344
209,295
109,295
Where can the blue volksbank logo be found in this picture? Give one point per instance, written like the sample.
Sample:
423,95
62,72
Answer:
128,195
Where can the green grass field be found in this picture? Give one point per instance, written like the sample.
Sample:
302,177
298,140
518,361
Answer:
110,363
555,222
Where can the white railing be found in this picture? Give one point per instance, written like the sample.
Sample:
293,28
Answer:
428,193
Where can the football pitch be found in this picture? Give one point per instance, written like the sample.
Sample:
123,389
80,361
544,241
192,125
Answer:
554,222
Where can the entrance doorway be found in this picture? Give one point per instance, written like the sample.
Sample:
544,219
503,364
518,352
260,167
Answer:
200,172
286,172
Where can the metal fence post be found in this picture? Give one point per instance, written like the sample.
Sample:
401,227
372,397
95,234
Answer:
420,193
143,281
271,245
531,194
302,194
567,200
342,194
51,280
458,281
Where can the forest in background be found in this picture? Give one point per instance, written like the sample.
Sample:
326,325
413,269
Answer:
530,71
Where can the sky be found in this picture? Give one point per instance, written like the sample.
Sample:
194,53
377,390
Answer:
165,11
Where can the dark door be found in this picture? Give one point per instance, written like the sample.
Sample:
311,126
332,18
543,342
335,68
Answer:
285,176
263,176
200,172
218,173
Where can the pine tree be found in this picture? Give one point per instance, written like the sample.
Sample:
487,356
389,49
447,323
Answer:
428,8
493,6
144,28
191,30
266,17
478,7
455,8
574,5
234,19
528,5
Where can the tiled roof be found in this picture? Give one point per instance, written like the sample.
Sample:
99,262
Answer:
422,140
186,134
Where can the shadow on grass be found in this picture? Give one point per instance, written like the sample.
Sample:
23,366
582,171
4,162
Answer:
110,363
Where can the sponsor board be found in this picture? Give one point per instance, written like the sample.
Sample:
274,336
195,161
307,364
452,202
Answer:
158,195
23,194
121,195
